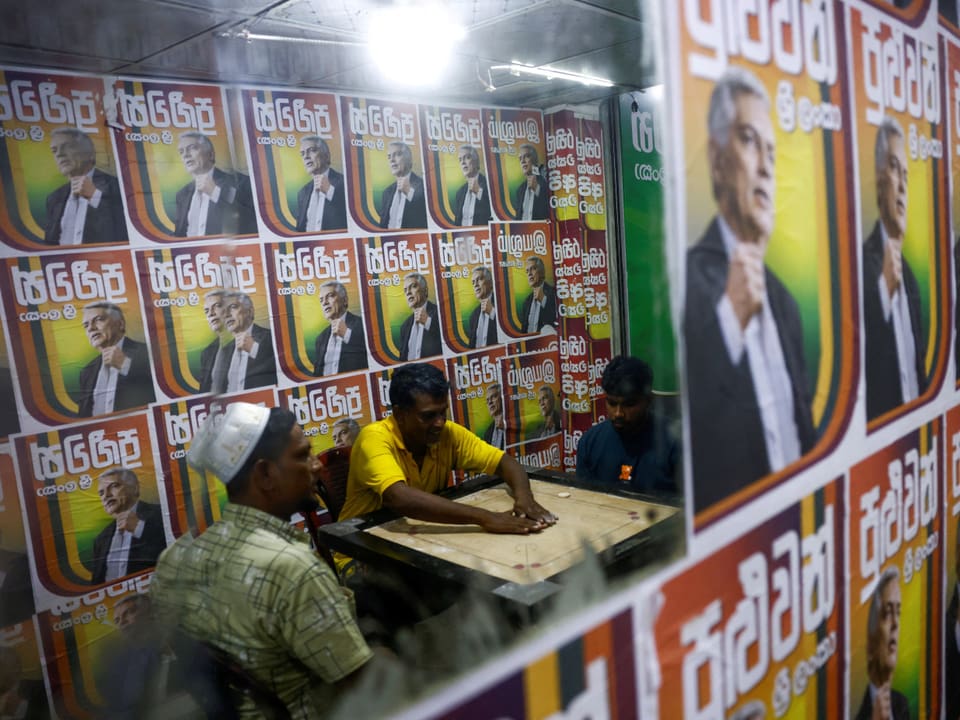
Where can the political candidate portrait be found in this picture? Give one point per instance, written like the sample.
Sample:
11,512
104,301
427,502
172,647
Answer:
881,700
530,197
88,208
345,431
539,308
495,433
472,203
214,202
341,346
134,538
403,204
248,359
420,332
321,203
894,342
747,385
482,326
549,414
119,377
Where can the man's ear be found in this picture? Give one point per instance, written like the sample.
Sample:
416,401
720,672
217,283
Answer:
264,475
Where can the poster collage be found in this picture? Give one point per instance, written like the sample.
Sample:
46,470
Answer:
168,248
813,154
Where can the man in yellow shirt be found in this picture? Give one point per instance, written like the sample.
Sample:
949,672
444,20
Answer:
401,461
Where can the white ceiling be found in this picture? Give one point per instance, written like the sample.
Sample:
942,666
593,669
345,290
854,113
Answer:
172,38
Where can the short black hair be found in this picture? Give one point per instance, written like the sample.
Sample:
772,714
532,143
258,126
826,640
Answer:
273,441
415,378
627,376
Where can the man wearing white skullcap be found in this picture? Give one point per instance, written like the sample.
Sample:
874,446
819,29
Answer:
250,584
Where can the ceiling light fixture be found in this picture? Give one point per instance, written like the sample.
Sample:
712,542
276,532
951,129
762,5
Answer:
518,68
249,36
413,44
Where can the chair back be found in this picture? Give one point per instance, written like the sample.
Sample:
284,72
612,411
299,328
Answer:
332,478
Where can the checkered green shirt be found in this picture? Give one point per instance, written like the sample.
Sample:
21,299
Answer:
251,585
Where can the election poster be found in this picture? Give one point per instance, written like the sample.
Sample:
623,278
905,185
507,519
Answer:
463,266
175,151
76,335
16,588
79,484
951,552
951,51
900,122
762,169
294,143
21,663
186,293
516,160
524,278
58,176
477,391
332,411
532,395
96,650
400,293
756,628
384,164
895,589
194,499
315,295
458,193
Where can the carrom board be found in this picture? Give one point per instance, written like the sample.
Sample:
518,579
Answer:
603,520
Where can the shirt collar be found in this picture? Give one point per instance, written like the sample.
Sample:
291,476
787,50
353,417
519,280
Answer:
729,239
251,517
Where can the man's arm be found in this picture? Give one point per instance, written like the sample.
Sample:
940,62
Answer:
524,506
420,505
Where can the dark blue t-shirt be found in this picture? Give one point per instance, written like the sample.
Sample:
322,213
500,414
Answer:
650,464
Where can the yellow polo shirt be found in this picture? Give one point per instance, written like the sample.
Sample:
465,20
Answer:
379,459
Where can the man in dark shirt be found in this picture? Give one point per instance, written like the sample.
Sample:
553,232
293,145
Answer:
633,447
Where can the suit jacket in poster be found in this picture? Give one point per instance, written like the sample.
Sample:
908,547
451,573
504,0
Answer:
882,367
431,338
353,354
261,370
135,389
539,202
232,214
414,211
144,550
105,223
481,208
952,664
548,313
334,211
491,328
208,356
899,707
727,437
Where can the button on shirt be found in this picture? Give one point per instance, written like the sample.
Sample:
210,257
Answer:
237,372
200,206
470,201
399,201
897,309
771,381
75,215
415,343
105,389
331,358
251,586
318,201
119,552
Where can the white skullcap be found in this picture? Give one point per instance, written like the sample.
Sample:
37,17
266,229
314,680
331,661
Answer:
225,440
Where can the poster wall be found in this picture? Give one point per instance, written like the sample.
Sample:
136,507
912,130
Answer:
170,247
